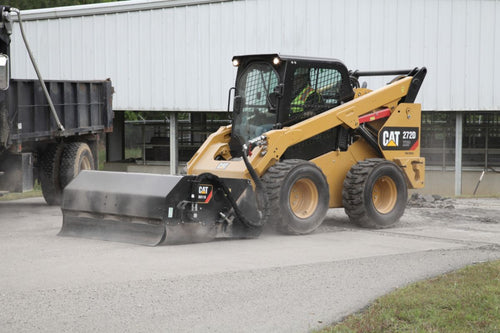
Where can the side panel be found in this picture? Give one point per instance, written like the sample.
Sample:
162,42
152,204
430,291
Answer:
336,164
400,135
17,172
82,106
399,140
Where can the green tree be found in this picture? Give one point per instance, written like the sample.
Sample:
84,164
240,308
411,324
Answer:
35,4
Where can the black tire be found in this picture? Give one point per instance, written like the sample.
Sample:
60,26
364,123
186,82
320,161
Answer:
303,212
76,157
49,163
375,193
244,232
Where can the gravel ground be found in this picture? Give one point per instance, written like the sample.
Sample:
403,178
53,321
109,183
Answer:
272,284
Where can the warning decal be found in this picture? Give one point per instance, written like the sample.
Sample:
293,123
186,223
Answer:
398,138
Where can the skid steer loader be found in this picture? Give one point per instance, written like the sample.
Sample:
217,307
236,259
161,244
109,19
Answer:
304,137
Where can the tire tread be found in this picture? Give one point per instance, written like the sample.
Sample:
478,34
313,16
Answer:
353,193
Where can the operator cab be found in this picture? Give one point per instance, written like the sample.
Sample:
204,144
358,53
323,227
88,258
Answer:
274,91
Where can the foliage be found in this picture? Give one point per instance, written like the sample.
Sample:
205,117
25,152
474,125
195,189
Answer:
145,115
35,4
464,301
156,115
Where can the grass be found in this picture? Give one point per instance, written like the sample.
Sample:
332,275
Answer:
467,300
133,153
102,156
37,192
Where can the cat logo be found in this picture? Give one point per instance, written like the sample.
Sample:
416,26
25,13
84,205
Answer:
222,165
398,138
392,144
390,138
204,193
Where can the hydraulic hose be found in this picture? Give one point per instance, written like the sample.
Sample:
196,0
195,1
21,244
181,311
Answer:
260,191
35,66
239,214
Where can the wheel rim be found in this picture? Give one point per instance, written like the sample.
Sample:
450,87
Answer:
384,195
85,164
304,198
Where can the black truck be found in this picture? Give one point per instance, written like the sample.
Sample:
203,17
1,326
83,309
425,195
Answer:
47,139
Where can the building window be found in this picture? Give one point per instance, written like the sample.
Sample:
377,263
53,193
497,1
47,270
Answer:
480,140
438,138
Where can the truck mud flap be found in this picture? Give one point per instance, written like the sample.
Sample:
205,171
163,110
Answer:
117,206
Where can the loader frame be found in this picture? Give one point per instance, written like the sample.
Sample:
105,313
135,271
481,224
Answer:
275,165
403,116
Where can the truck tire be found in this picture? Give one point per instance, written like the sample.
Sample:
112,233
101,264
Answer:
48,167
375,193
76,157
298,196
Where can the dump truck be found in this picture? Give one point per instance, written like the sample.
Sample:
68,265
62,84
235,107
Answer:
49,130
305,137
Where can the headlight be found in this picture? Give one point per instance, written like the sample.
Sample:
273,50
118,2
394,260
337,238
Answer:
236,62
276,61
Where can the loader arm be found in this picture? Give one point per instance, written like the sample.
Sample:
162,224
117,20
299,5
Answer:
347,114
270,150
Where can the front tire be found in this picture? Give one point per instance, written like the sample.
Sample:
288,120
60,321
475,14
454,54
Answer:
298,196
375,193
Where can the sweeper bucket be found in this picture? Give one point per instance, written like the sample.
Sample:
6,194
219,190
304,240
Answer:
149,209
117,206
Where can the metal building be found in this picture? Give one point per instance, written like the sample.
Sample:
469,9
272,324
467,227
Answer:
174,55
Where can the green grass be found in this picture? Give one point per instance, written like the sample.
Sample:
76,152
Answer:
102,156
467,300
37,192
133,153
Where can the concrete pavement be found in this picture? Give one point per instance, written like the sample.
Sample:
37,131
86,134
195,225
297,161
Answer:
274,283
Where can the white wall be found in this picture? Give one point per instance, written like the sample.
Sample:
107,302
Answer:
176,55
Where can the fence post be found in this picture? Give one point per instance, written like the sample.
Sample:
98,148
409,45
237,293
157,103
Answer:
174,152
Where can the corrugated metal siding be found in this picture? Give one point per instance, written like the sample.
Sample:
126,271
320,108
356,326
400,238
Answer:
178,58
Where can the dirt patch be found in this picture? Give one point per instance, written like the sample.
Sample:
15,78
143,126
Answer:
430,201
430,210
434,210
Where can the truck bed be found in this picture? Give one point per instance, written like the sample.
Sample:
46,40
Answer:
83,107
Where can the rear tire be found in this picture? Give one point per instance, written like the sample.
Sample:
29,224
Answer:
49,164
375,193
76,157
298,196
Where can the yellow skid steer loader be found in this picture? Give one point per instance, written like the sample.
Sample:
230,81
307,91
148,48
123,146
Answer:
304,137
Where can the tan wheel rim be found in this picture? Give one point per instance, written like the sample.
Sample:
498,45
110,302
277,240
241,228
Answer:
384,195
85,164
303,198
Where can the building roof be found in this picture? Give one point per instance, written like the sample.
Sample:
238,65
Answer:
107,8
